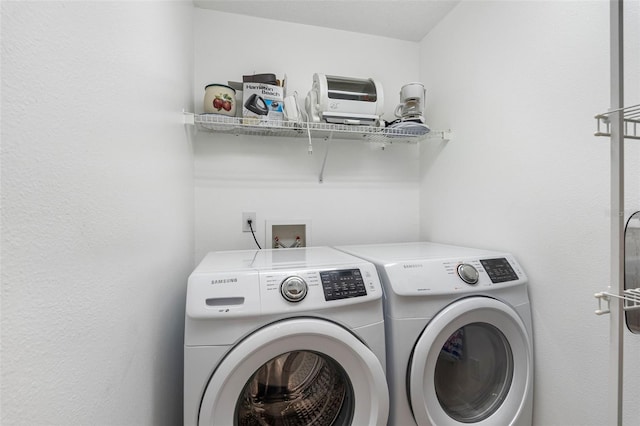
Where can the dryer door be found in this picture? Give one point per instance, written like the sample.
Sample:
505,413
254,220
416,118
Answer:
297,372
472,364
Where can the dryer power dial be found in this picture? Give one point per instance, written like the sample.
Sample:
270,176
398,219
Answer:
468,273
293,289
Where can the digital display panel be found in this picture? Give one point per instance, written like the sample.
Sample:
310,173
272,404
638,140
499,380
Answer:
342,284
499,270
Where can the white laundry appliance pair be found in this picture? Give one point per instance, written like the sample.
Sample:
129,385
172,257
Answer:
297,336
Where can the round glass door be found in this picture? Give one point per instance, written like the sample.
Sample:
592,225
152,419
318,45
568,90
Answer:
300,371
472,364
296,388
473,372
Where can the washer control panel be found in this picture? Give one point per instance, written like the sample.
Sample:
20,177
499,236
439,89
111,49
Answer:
309,280
297,290
342,284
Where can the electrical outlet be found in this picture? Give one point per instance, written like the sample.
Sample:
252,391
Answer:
246,216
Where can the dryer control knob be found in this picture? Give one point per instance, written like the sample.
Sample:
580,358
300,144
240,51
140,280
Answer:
468,273
294,289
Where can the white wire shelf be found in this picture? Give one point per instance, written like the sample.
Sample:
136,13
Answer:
630,298
631,117
243,126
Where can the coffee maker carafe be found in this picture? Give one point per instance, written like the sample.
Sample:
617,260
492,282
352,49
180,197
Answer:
412,101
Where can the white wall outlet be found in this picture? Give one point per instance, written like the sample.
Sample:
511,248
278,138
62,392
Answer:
246,216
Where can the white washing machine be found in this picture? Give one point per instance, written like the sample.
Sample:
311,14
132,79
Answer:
288,336
459,335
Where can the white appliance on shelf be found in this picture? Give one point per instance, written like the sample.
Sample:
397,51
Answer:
459,334
345,100
287,336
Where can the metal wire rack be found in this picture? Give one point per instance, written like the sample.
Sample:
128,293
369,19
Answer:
631,117
249,126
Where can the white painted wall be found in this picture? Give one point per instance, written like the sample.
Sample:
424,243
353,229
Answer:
97,211
369,195
520,82
97,201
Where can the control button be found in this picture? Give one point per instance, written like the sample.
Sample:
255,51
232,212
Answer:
468,273
293,289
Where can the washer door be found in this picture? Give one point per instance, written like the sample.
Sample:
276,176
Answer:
297,372
471,365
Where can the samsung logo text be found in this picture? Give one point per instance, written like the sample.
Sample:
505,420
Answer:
412,265
224,281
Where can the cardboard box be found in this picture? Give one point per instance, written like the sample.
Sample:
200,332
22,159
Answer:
262,102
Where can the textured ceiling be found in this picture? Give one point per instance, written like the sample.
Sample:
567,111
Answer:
400,19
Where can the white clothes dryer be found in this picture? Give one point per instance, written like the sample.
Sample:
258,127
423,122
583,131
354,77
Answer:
287,336
458,332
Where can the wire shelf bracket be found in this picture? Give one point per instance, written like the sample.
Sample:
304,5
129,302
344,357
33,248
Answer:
631,118
630,299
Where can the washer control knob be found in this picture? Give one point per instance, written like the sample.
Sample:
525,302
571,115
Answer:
293,289
468,273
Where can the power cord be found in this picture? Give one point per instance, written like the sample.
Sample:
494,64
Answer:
250,222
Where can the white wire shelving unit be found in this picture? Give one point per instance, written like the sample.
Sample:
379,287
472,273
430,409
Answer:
247,126
380,136
630,129
619,123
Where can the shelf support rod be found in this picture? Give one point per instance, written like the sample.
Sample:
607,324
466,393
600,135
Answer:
324,161
616,344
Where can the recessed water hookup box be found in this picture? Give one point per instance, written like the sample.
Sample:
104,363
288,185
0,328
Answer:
288,233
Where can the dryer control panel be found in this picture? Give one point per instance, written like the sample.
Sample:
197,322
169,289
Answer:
454,275
499,270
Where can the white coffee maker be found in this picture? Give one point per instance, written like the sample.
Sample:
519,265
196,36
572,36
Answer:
412,101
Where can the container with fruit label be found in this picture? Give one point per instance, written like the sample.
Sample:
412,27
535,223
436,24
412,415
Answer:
219,99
